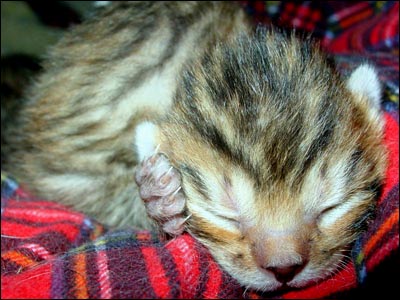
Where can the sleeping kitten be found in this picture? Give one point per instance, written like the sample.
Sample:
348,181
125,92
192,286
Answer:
249,141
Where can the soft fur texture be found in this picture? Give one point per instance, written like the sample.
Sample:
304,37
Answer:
281,159
75,138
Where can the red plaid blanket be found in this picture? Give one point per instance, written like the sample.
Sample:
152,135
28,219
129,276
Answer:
49,251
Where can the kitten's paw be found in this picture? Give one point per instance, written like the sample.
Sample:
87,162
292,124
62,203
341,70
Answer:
160,189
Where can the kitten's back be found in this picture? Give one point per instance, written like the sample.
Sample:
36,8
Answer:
74,140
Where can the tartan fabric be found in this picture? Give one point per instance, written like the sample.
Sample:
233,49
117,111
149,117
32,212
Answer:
50,251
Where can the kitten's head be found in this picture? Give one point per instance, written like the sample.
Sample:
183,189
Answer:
281,160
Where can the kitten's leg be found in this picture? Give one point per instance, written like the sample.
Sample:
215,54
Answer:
160,189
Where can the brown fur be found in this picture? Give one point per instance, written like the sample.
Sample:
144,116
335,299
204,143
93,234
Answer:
280,160
296,136
74,141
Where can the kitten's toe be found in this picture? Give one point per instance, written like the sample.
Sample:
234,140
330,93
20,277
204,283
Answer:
159,187
175,226
166,207
157,178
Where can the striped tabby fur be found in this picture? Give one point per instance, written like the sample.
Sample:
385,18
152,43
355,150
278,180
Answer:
281,159
75,142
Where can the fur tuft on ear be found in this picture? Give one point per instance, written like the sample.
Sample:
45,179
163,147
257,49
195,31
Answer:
145,140
364,81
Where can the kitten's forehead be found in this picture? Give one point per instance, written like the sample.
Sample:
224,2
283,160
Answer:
272,113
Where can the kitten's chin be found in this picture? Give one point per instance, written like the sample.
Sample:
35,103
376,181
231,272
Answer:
272,285
265,286
260,280
257,281
300,283
306,278
265,283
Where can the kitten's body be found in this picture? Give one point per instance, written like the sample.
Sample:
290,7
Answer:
277,154
76,140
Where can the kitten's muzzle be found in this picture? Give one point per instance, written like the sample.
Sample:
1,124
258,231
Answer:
283,256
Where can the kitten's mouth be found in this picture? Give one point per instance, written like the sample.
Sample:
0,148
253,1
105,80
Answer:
282,289
287,286
300,284
293,285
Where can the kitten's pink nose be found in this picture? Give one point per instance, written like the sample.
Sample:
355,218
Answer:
285,273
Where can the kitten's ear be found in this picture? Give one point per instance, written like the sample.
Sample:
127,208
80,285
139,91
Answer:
146,140
364,82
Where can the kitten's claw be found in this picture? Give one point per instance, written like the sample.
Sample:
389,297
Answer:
159,188
175,226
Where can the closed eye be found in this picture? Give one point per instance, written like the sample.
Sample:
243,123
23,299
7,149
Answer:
326,211
333,213
229,219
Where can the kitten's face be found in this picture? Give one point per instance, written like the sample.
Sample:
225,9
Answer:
268,235
280,159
